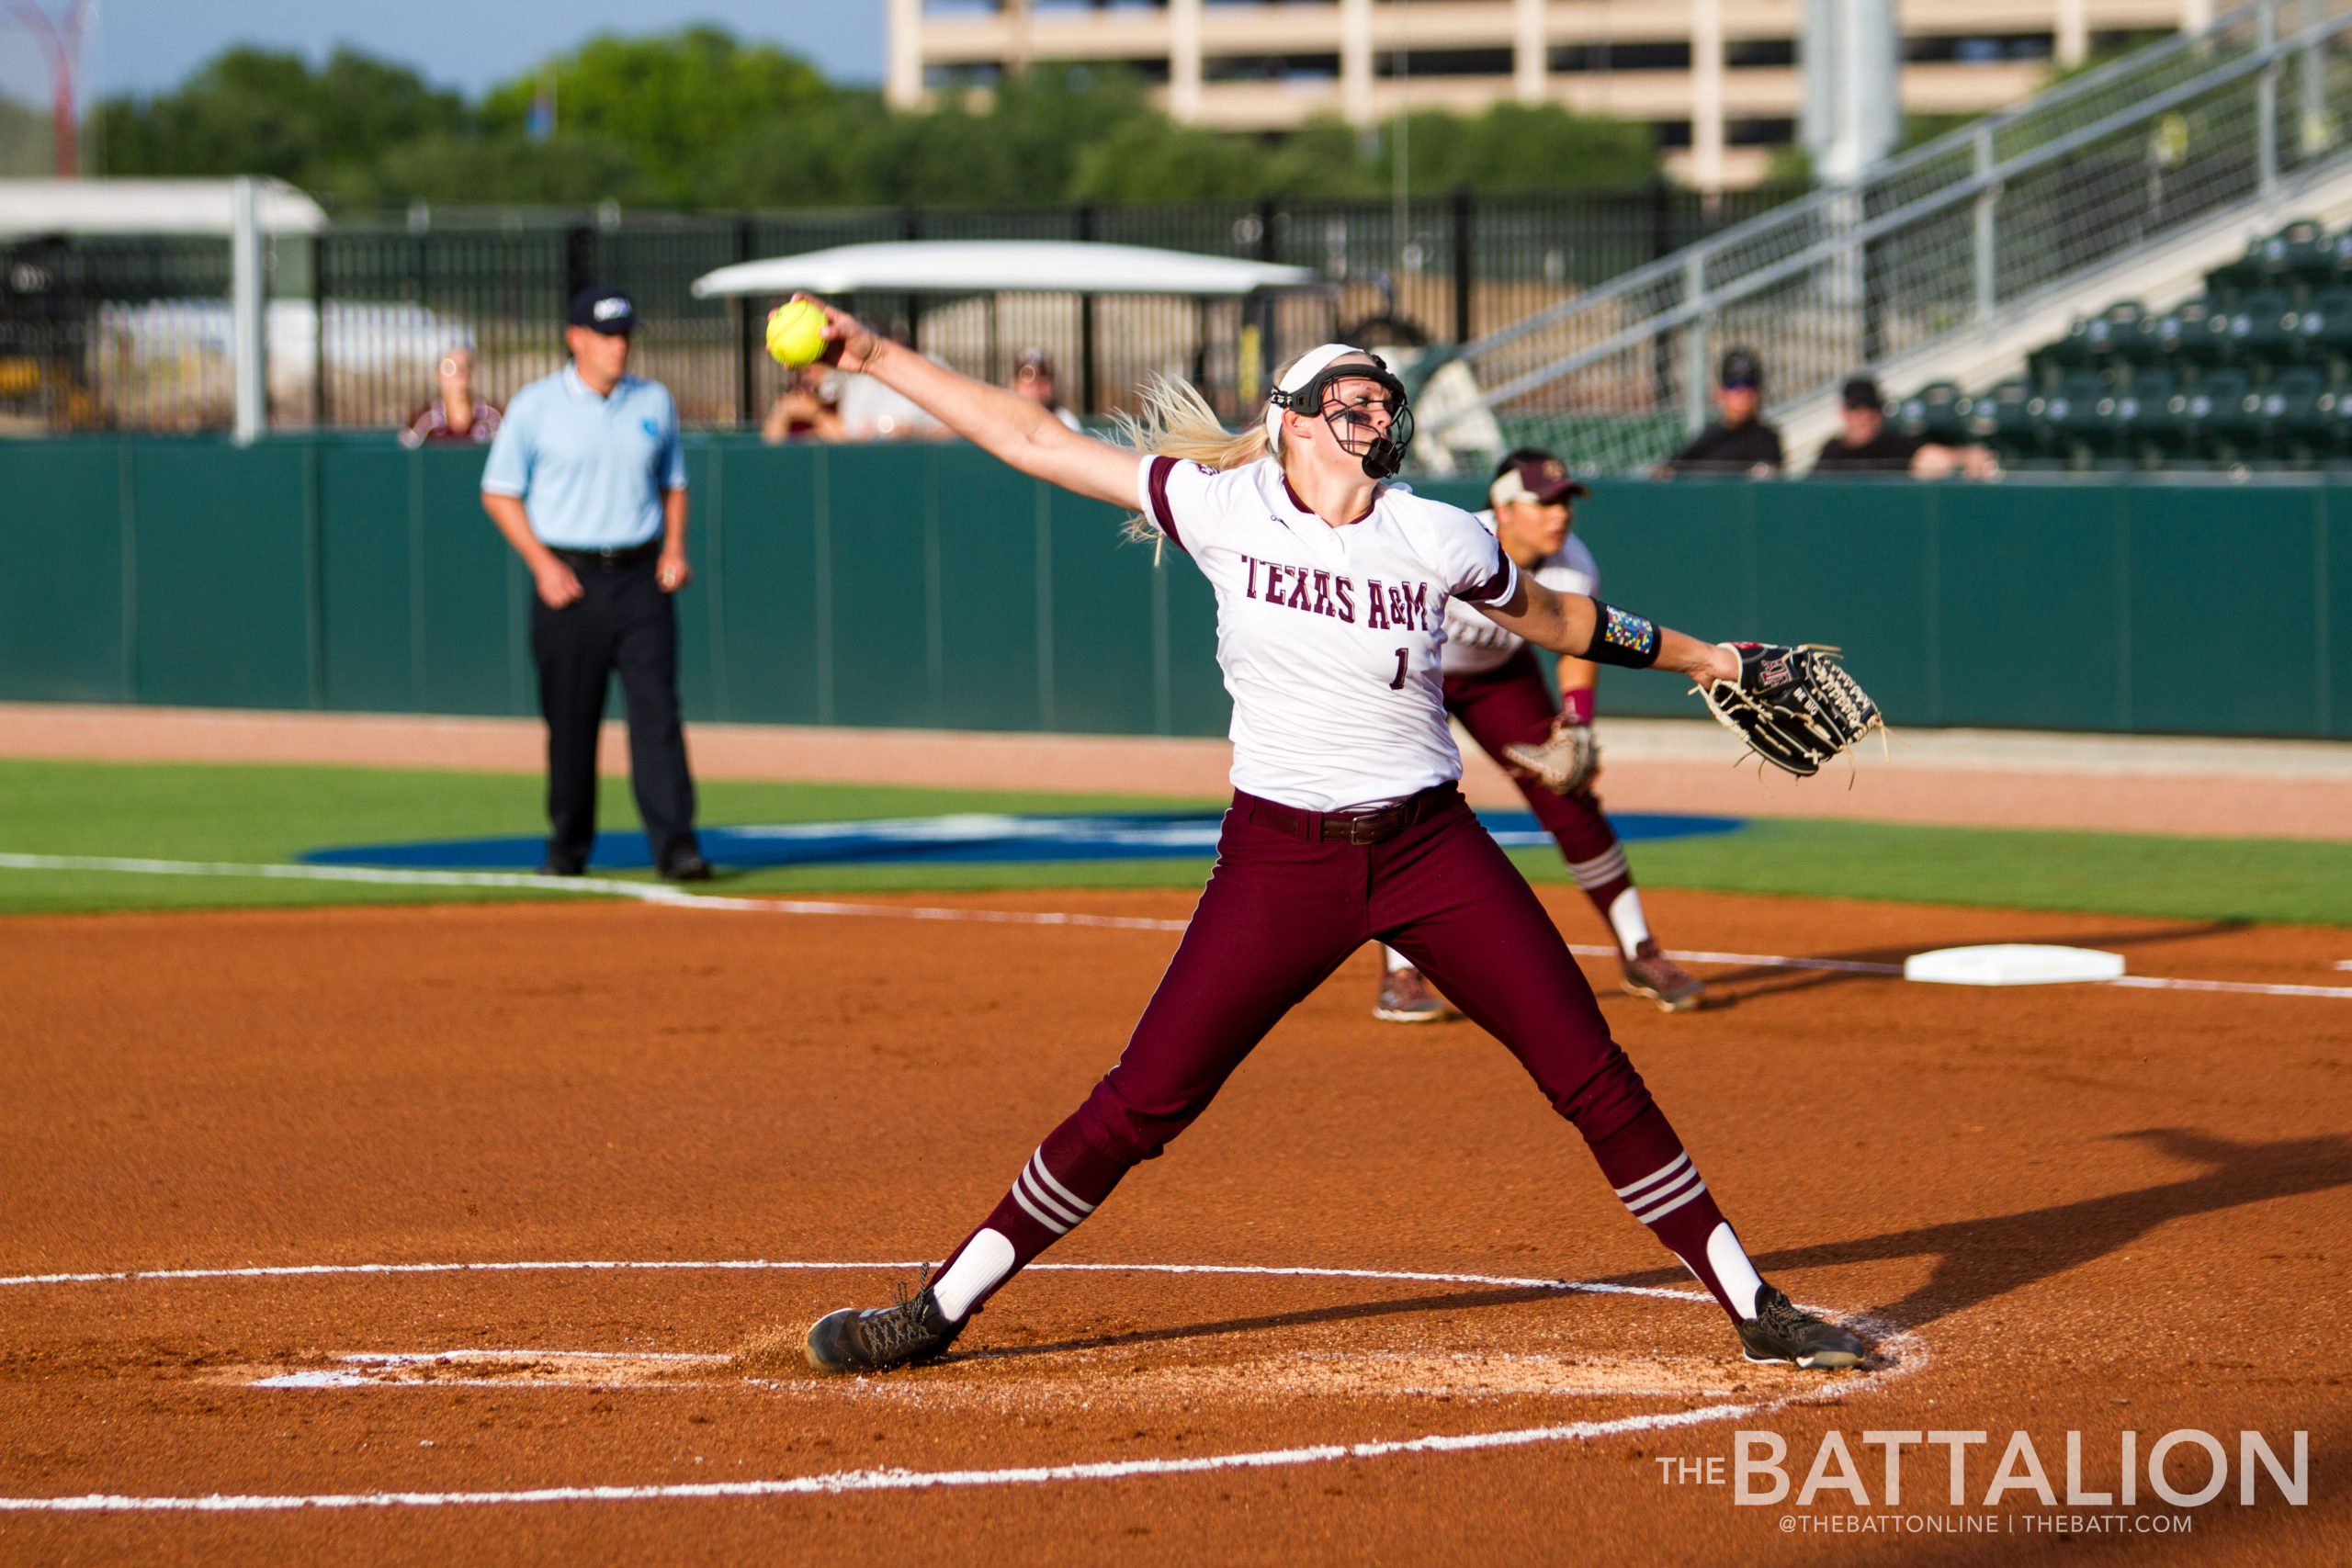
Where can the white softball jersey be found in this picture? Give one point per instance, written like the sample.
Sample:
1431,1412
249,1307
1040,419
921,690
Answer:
1474,645
1331,639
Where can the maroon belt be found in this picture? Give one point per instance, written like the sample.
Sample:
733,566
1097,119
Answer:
1373,826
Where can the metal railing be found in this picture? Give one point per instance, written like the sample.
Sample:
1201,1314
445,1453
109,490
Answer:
131,333
1936,241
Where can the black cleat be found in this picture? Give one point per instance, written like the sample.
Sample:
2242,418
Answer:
686,866
908,1333
1781,1331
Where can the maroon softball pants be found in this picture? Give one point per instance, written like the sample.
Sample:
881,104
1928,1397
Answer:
1279,915
1511,706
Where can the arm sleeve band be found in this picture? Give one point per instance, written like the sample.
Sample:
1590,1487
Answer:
1622,637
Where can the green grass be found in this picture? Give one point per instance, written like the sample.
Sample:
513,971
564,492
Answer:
241,813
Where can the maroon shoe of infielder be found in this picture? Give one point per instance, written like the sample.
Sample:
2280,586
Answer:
1346,826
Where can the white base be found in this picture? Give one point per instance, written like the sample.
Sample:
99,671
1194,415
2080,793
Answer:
2012,964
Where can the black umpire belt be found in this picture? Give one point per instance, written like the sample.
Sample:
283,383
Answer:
626,554
1375,826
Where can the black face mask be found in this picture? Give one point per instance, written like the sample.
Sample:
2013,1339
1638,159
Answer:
1381,453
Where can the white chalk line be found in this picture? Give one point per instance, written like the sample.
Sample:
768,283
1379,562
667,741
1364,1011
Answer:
678,899
301,1271
1903,1351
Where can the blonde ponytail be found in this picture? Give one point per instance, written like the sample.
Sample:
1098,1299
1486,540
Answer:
1175,420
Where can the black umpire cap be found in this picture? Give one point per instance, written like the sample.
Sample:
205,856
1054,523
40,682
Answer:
1862,393
1742,368
602,309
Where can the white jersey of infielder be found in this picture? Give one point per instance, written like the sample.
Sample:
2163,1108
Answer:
1329,638
1474,645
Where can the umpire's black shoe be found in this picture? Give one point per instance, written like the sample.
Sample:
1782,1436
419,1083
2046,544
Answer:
686,867
1781,1331
556,866
912,1331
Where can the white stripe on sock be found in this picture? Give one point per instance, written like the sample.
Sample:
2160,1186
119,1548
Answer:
1661,1174
1657,1214
1599,872
1069,1199
1658,1194
1037,1214
1027,1185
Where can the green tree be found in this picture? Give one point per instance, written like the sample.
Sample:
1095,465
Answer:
255,111
570,171
28,141
674,105
1143,161
1523,146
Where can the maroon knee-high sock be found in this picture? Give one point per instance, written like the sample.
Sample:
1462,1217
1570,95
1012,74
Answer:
1061,1186
1654,1176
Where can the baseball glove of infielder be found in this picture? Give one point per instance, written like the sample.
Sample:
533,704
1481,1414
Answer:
1566,761
1796,707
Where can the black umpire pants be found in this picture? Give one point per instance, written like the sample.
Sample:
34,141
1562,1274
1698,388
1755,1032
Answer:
621,621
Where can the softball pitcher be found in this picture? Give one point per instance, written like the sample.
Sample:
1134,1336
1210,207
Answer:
1346,826
1493,686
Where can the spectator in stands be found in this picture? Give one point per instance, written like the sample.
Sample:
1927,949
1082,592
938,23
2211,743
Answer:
806,410
872,411
1033,377
1867,446
455,415
1740,442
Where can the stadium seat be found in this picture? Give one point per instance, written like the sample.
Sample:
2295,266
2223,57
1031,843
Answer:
2262,329
2339,258
2006,419
2224,415
2152,424
2091,341
2325,329
2193,333
2300,413
2296,254
2079,416
1936,412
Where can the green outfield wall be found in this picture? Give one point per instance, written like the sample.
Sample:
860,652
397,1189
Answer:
922,585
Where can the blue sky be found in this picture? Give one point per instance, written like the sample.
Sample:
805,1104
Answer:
144,45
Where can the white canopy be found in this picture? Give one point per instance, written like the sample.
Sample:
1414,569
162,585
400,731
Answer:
147,206
990,267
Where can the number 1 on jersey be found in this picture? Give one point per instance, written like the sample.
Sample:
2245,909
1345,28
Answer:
1399,683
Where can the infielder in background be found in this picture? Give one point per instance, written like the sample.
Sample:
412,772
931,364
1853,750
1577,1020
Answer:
588,482
1493,686
1347,824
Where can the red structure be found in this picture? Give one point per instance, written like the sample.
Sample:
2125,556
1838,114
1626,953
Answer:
61,40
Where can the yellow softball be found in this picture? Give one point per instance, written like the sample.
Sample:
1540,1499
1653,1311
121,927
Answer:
795,333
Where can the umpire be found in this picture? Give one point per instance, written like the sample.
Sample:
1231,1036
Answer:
587,481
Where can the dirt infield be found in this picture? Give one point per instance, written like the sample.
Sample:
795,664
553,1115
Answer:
2080,1209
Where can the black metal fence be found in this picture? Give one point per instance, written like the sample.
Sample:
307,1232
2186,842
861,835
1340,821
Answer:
134,334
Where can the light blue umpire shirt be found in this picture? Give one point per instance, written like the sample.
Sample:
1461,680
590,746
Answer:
590,471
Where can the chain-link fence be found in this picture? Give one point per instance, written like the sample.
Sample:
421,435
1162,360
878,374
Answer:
1938,242
136,334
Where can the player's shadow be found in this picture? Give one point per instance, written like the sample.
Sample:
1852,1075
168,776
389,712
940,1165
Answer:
1976,1260
1757,981
1348,1311
1979,1260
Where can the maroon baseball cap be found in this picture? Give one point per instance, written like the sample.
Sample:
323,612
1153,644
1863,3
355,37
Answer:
1543,479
